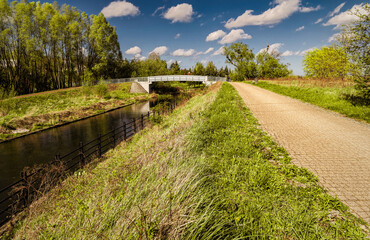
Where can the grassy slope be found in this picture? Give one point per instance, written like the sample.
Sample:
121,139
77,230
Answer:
206,172
327,97
44,110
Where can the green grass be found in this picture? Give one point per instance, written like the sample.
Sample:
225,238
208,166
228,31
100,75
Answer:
332,98
206,172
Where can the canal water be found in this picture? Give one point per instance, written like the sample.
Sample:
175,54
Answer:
42,147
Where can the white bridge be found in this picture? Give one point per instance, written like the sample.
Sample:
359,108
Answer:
142,84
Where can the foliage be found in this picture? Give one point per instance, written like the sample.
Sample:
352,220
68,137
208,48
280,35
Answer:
327,62
101,89
269,66
211,69
355,39
239,55
247,65
174,68
45,46
332,98
199,69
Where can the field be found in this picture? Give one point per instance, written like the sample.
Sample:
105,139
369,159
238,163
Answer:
332,95
206,171
22,115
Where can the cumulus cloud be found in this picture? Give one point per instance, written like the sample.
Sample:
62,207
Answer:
345,17
178,36
120,9
133,51
157,10
336,10
319,20
273,48
309,9
283,10
299,29
235,35
184,53
220,51
290,53
215,35
160,50
206,52
180,13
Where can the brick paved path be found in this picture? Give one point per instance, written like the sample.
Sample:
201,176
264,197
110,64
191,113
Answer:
335,148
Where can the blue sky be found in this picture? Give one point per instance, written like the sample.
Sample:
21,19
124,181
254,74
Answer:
192,31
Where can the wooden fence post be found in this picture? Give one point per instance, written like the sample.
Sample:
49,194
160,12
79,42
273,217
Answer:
114,137
134,125
124,131
82,155
99,145
26,188
142,121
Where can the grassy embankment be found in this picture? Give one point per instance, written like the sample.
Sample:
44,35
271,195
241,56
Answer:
331,95
21,115
206,172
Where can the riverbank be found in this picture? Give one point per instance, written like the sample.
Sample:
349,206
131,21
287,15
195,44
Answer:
335,97
25,115
206,171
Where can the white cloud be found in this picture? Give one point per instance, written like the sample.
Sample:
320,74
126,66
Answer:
160,50
283,10
273,48
204,62
336,10
309,9
180,13
178,36
169,62
333,37
299,29
134,51
235,35
184,53
206,52
302,53
287,53
319,20
142,58
220,51
157,10
345,17
215,35
290,53
119,9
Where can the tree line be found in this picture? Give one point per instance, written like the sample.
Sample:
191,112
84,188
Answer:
45,46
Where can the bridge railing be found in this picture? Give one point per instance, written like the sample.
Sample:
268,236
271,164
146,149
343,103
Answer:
168,78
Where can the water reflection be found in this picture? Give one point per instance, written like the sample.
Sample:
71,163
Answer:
43,146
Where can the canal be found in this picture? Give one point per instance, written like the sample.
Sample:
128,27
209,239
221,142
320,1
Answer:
42,147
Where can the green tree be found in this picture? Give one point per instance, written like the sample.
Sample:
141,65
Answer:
355,39
211,69
269,66
239,55
174,68
199,69
326,62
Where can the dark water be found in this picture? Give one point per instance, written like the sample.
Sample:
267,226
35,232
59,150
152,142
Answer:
43,146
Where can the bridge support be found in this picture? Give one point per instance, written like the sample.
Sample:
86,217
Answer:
140,87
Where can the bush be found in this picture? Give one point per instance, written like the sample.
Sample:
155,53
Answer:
101,90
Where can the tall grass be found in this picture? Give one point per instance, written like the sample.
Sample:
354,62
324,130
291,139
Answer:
206,172
332,98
